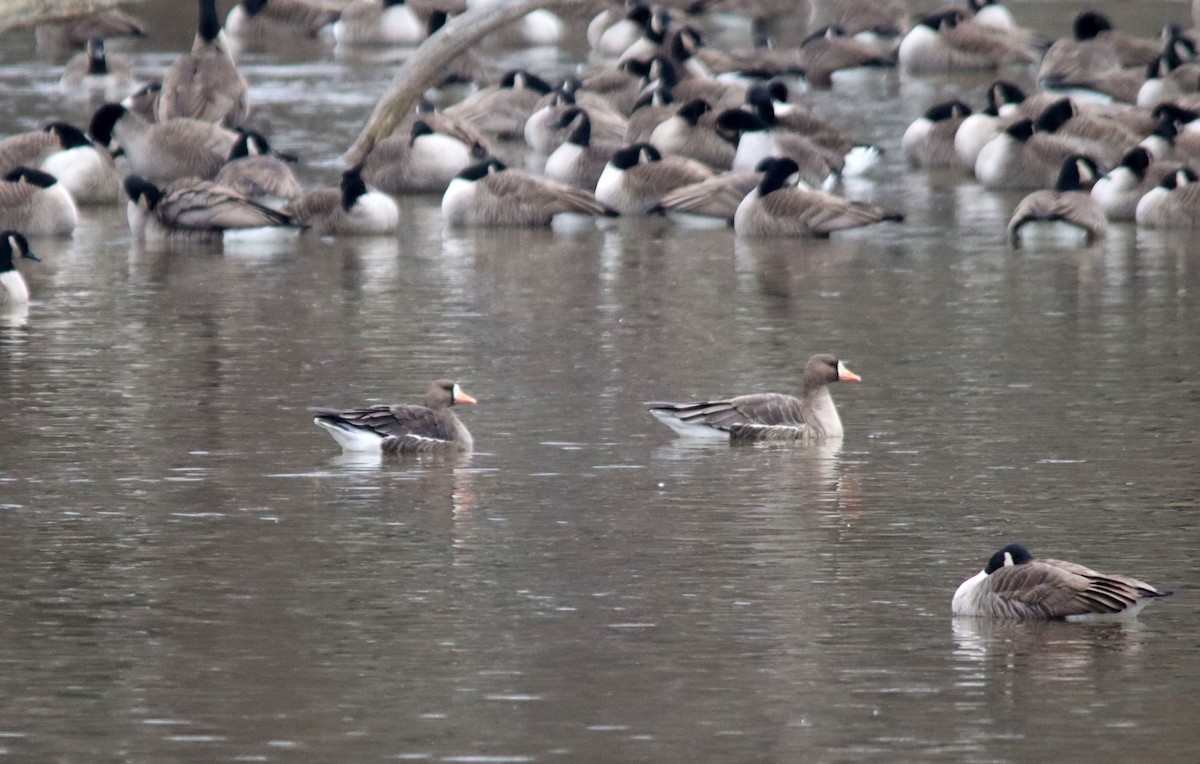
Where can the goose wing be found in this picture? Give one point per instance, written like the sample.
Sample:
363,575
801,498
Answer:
205,86
650,179
1057,589
403,421
757,409
716,197
977,43
1071,207
801,212
535,196
315,205
206,206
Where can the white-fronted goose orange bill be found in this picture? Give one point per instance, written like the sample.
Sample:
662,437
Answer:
403,428
1015,585
766,416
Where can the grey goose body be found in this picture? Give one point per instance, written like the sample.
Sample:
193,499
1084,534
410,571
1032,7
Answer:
490,194
637,178
403,428
766,416
163,152
1016,585
13,288
351,209
35,203
257,172
205,84
193,210
1068,204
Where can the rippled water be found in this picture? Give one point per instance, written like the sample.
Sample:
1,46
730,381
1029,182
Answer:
192,572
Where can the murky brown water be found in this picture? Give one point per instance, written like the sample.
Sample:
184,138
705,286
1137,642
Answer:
191,572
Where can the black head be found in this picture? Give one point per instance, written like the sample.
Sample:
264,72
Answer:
1013,554
210,24
249,144
31,176
482,169
978,5
570,86
639,14
1181,177
419,128
138,188
945,20
519,79
353,186
658,24
1138,160
824,33
1002,93
1166,129
14,244
1174,113
1089,24
778,91
635,154
1054,116
693,110
252,7
660,96
777,174
684,43
1078,173
437,20
97,63
740,121
947,110
104,120
662,71
582,134
69,136
1021,130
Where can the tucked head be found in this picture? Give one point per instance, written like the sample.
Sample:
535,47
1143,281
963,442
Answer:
1089,24
29,175
638,153
142,191
1013,554
13,244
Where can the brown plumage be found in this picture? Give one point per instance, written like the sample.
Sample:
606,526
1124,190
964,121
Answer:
490,194
205,84
766,416
638,177
193,209
403,428
1015,585
717,197
950,41
830,50
1068,203
76,31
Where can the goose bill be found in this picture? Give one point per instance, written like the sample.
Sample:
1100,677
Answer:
845,375
461,397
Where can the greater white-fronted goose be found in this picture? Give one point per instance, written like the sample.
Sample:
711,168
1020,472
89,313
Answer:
164,151
403,428
14,245
929,141
780,208
950,41
1015,585
87,172
490,194
205,84
1068,204
193,210
256,19
36,203
352,209
1173,203
95,73
638,177
258,172
766,416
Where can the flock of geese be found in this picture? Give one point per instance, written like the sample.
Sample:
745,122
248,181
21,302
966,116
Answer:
658,123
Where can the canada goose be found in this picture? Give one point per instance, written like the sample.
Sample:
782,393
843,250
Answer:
1021,159
655,26
403,428
831,50
36,203
86,172
1168,77
144,101
757,141
13,244
648,113
882,19
638,177
424,161
685,135
718,197
257,172
770,103
949,42
763,14
610,33
166,151
1119,192
73,33
929,140
251,19
1006,102
1173,203
1015,585
1169,142
779,208
378,22
1069,203
580,160
205,84
349,210
501,110
766,416
440,123
1093,50
31,149
95,73
1105,140
545,129
193,210
537,28
490,194
765,60
992,13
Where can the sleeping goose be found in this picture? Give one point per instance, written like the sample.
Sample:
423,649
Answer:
258,172
780,208
1119,191
950,41
193,210
717,197
1173,203
253,19
73,33
490,194
690,134
12,283
1015,585
581,159
766,416
501,110
639,176
351,209
1021,159
164,151
424,161
929,140
1068,204
36,203
88,173
378,22
403,428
